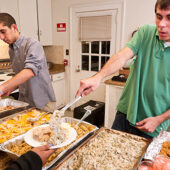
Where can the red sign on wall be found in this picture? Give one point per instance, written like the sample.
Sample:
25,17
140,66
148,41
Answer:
61,27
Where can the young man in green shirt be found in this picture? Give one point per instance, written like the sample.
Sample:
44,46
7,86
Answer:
144,107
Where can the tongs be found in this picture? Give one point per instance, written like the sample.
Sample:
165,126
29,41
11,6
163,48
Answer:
62,111
87,113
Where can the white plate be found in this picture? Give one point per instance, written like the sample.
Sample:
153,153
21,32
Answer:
32,142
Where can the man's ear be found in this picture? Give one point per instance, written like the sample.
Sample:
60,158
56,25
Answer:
14,27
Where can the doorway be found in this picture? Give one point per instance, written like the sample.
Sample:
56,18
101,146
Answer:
88,57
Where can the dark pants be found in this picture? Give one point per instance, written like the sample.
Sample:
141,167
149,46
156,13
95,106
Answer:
122,124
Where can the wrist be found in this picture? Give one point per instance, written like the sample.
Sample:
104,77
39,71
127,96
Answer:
160,119
98,77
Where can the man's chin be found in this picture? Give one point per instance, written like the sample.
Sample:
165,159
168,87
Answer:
167,39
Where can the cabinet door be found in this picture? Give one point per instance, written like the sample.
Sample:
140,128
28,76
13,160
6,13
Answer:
28,18
45,22
113,94
11,7
58,83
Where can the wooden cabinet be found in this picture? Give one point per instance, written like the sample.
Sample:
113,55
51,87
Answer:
58,83
113,94
34,17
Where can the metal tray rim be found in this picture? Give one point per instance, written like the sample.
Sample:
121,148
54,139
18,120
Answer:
90,138
2,145
20,106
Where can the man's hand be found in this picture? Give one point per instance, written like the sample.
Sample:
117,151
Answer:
148,124
3,92
44,152
88,85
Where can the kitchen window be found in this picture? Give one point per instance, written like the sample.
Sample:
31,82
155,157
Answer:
94,54
95,39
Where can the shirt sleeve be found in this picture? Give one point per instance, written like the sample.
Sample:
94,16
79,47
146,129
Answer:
135,43
35,57
27,161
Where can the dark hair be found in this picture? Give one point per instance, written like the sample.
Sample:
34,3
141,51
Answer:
163,4
7,19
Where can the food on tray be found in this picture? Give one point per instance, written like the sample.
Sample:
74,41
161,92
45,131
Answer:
165,148
17,125
109,149
82,129
42,134
21,147
4,108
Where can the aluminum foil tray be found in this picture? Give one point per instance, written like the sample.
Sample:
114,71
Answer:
18,106
100,153
6,145
17,124
72,146
156,145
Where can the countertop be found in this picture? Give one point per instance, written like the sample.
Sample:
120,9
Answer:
57,68
117,83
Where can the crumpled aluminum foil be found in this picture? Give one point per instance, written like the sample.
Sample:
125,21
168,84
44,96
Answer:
156,145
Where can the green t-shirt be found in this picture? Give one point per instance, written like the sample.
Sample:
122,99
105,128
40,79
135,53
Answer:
147,90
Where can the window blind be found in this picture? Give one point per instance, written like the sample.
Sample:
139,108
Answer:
95,28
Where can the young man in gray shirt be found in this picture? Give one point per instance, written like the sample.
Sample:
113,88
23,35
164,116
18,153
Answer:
29,63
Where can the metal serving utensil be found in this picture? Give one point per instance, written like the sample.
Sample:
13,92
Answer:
62,111
34,119
87,113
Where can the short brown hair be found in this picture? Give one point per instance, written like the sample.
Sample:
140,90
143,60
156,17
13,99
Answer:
162,4
7,19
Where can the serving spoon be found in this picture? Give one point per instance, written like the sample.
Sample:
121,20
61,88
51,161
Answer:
34,119
61,112
87,113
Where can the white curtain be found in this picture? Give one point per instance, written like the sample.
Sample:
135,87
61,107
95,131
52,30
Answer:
95,28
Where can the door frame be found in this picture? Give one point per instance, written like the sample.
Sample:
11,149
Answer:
94,7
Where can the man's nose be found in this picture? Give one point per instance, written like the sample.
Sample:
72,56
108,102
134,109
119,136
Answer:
163,23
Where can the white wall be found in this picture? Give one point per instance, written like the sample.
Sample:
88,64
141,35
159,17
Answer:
136,13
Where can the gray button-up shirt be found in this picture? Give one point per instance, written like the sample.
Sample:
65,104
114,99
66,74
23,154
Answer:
28,53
